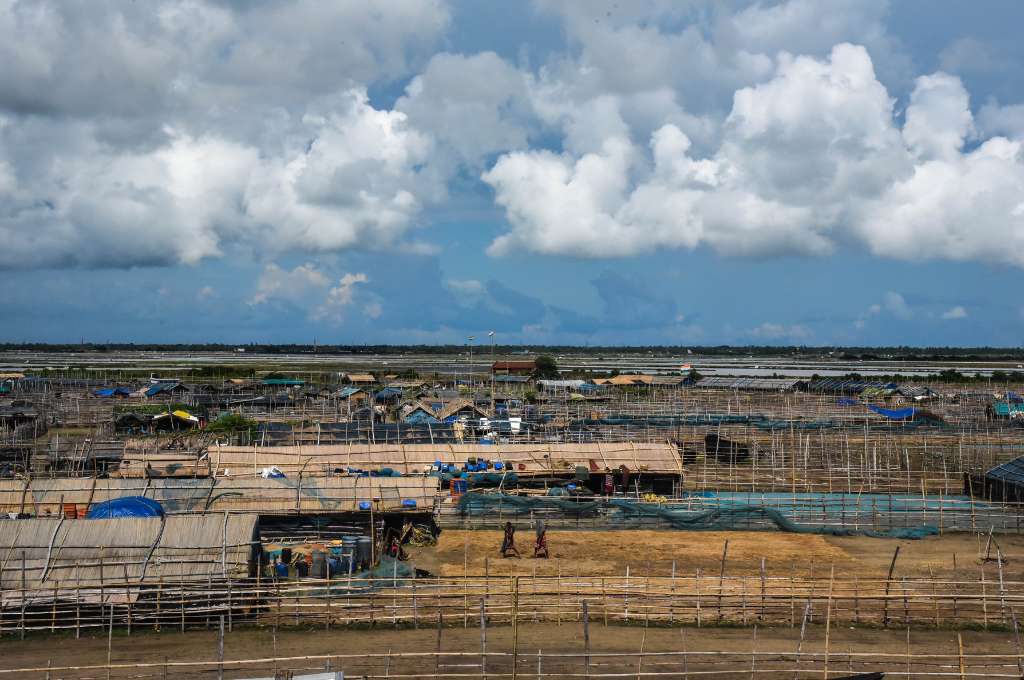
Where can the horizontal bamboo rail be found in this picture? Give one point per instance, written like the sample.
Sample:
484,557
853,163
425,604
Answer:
583,663
701,600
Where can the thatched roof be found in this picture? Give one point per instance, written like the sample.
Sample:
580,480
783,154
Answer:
536,459
127,551
244,492
453,407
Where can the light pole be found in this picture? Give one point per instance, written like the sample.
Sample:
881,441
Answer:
490,334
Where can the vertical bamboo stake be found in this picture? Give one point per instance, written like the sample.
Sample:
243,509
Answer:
856,600
483,640
763,588
960,648
465,574
828,617
110,638
753,654
800,642
640,661
1002,586
672,597
220,650
908,652
697,585
586,639
437,657
984,599
888,583
515,625
24,594
682,641
721,578
78,604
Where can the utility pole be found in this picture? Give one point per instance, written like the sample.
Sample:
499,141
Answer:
490,334
469,364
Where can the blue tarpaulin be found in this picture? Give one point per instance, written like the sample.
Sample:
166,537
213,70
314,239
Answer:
113,392
127,506
891,414
846,401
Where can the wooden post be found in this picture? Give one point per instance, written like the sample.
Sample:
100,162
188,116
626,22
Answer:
78,604
640,661
586,639
697,586
220,650
960,647
110,638
515,625
764,578
672,597
721,578
24,595
483,640
465,575
437,657
984,599
828,618
1002,586
888,583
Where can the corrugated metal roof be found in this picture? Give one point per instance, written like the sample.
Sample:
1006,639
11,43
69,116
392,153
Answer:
1009,472
733,383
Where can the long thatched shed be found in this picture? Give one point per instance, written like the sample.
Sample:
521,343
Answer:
49,553
414,459
244,494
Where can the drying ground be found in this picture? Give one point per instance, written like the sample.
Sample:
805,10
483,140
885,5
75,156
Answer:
608,553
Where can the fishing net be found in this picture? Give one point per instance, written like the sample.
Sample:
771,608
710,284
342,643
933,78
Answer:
620,512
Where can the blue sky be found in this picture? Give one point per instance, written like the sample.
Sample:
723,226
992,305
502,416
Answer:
678,173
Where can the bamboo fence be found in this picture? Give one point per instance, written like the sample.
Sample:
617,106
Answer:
990,601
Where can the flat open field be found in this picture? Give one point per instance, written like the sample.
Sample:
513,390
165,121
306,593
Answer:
607,553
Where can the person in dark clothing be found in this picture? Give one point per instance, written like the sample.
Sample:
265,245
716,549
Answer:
624,474
301,568
540,548
508,543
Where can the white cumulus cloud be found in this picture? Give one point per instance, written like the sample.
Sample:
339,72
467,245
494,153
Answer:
294,286
810,160
341,296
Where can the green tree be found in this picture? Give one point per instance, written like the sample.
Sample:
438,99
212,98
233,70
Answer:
546,368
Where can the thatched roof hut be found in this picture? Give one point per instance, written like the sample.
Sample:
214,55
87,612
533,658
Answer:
248,493
524,459
44,554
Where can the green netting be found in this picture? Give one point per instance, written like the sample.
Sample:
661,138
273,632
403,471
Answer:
739,517
755,420
389,573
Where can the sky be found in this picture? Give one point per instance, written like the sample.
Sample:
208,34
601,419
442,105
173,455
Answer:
602,172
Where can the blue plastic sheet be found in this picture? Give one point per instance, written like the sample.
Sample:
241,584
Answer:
891,414
127,506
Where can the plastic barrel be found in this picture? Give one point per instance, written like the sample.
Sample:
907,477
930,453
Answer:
319,566
364,550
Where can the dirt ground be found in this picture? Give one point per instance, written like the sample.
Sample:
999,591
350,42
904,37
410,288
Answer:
354,650
605,553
